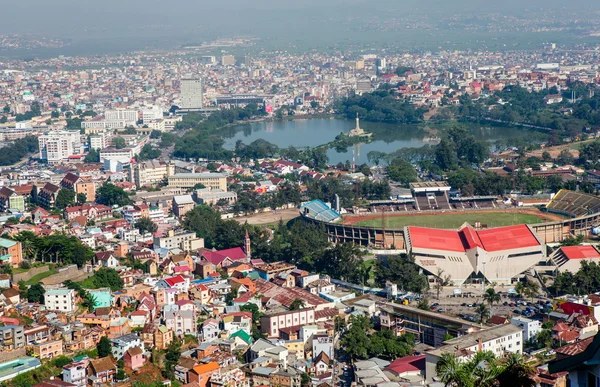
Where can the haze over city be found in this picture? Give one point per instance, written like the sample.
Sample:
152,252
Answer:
320,193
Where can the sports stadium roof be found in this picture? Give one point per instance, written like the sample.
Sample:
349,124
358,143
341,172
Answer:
494,239
580,252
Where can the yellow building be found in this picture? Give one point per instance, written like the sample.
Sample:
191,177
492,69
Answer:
189,180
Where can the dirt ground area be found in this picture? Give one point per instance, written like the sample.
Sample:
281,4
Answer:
544,217
269,217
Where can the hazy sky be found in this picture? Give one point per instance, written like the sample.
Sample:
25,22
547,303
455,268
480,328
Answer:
307,21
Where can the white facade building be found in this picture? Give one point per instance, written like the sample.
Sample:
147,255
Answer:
130,116
121,344
58,146
191,93
530,327
60,299
499,340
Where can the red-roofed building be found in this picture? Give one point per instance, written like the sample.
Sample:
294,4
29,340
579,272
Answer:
569,258
407,366
223,258
498,254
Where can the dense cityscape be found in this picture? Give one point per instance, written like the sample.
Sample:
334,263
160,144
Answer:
220,211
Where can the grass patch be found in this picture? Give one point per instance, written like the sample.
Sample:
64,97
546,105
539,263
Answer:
38,277
88,283
492,219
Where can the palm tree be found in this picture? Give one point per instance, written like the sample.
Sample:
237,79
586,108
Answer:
483,312
491,297
516,372
451,371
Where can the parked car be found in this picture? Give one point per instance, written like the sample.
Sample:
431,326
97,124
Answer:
441,310
516,311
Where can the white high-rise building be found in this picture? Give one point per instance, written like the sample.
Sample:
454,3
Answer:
152,113
191,93
58,146
129,116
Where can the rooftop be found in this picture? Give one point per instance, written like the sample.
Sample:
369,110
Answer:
580,252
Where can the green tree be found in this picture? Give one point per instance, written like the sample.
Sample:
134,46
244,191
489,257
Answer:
35,293
119,142
104,347
108,277
145,224
402,172
483,312
93,156
402,271
298,303
155,134
109,195
81,198
65,198
491,297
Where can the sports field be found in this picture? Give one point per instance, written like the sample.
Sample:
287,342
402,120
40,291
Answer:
454,220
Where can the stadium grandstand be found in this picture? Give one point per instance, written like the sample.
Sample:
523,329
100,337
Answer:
573,204
319,211
569,258
473,202
431,195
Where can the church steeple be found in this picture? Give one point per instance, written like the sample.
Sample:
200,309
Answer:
247,245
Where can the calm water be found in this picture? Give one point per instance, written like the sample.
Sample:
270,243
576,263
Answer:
313,132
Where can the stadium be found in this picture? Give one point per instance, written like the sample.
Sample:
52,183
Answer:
466,237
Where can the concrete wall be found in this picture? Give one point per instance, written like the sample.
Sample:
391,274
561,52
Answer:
30,273
66,273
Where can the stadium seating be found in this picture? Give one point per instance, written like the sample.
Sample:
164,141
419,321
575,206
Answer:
574,203
318,210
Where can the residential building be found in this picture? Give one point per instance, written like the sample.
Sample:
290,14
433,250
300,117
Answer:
102,371
186,241
11,252
76,373
202,372
59,145
134,358
121,344
37,334
48,349
183,204
530,327
150,172
80,185
12,337
498,340
46,196
190,180
192,96
62,299
10,200
181,322
271,324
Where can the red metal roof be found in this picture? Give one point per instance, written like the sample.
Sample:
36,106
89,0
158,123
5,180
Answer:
494,239
407,364
507,238
580,252
433,238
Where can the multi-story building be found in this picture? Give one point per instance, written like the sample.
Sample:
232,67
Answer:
11,252
186,241
181,322
76,373
62,299
189,180
191,93
429,327
12,337
37,334
46,196
105,124
211,196
183,204
271,324
123,155
150,172
80,185
98,141
498,340
530,327
152,113
9,199
121,344
48,349
228,60
58,146
130,116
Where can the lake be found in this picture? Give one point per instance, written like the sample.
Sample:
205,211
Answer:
314,132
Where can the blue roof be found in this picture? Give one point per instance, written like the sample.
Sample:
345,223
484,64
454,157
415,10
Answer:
318,210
